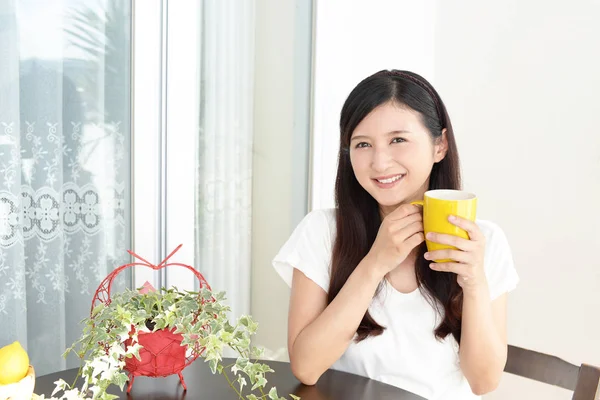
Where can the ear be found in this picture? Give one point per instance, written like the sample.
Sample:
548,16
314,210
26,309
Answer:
440,147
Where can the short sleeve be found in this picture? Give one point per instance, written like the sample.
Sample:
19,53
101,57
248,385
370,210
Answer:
499,265
308,249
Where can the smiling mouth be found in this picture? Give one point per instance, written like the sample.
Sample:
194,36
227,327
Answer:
390,179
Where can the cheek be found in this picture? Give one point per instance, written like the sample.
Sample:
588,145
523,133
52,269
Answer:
361,168
406,156
359,164
414,157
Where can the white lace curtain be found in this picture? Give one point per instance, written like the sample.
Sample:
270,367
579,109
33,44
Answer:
64,167
224,176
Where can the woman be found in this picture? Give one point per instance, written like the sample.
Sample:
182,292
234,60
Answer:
366,297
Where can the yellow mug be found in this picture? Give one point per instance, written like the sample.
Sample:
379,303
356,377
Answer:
438,205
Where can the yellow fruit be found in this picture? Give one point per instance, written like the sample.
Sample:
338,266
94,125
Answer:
14,363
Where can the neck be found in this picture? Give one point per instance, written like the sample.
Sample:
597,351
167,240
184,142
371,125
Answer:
403,278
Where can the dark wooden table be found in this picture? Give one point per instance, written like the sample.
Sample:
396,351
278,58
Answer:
203,385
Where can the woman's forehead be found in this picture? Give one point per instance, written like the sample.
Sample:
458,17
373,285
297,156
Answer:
387,119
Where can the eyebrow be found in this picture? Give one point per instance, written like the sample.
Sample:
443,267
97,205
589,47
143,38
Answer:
360,137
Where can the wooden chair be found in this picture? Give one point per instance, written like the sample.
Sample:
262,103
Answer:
584,380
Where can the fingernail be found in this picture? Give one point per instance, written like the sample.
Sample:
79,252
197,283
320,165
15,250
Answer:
430,235
432,266
426,255
452,218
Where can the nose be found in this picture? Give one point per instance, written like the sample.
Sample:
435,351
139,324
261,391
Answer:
382,160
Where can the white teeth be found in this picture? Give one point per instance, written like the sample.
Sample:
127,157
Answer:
390,180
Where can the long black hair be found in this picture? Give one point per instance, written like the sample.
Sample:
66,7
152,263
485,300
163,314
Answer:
357,212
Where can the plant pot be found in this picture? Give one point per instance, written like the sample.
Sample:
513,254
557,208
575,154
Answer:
161,355
22,390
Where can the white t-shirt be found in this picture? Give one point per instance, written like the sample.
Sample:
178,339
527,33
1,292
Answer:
407,354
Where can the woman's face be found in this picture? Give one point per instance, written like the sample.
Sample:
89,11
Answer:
392,154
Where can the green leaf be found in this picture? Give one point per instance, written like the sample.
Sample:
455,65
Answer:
98,309
242,382
257,352
241,362
120,380
239,334
273,394
243,343
160,323
252,327
260,382
226,337
135,350
213,365
221,296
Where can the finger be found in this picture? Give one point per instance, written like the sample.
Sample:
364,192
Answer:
471,227
403,211
398,225
449,254
451,240
457,268
415,240
406,232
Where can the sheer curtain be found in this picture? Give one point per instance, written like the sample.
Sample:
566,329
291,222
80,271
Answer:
64,166
224,151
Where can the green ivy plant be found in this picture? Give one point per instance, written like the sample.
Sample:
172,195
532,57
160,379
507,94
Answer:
102,349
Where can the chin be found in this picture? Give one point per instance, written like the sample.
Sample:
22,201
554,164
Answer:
393,199
387,201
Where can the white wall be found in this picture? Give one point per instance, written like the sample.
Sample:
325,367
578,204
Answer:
521,83
280,162
354,39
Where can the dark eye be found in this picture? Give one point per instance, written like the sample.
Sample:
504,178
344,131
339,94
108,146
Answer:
362,144
398,140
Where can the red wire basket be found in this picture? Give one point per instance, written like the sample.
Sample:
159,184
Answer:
162,353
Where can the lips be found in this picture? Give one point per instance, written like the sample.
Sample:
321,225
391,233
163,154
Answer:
386,182
389,178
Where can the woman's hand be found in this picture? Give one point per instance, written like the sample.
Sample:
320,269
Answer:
468,255
400,232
